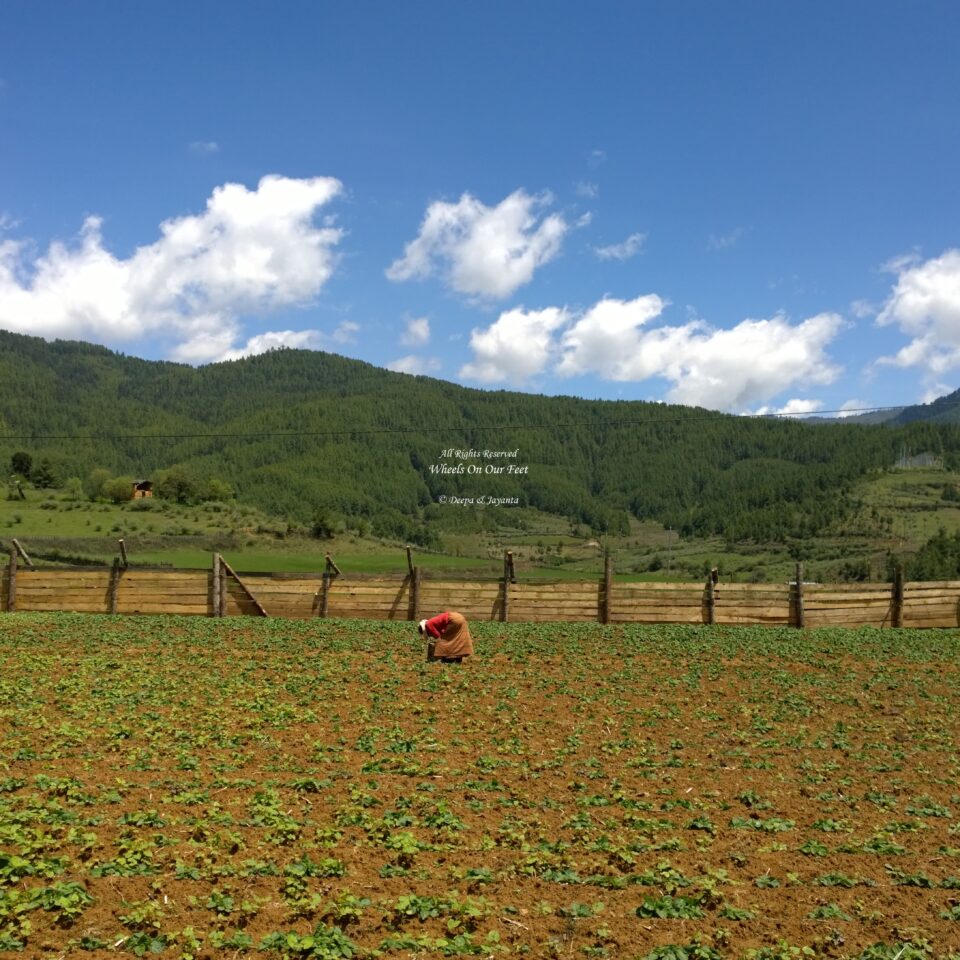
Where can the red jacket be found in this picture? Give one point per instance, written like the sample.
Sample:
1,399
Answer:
436,625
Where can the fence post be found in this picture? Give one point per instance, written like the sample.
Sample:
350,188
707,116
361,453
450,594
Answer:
711,601
799,614
12,582
224,596
607,588
897,617
331,571
507,573
324,594
114,583
216,610
22,552
414,574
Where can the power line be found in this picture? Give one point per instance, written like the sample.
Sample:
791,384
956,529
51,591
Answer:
466,427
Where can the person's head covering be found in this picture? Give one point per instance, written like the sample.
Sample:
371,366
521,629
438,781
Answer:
422,626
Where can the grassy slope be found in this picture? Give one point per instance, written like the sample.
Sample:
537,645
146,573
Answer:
901,510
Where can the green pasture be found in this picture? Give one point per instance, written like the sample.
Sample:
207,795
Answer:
899,511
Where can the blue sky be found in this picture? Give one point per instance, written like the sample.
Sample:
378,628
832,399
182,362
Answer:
748,206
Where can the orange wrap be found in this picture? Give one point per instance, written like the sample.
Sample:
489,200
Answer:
455,639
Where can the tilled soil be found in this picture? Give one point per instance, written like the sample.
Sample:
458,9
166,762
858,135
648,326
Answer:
206,789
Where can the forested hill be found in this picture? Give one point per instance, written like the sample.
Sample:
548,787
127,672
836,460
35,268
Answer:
944,409
297,431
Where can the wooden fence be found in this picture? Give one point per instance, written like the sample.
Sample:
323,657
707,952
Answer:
221,592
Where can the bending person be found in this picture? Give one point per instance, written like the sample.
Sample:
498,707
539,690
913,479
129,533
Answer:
448,637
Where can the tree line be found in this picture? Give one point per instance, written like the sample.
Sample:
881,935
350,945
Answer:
302,434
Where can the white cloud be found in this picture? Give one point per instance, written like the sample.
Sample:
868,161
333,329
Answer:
925,305
792,408
596,158
415,365
936,391
852,408
586,189
902,261
204,148
417,332
518,346
249,251
862,309
733,369
273,340
484,251
622,251
606,340
757,359
346,332
727,240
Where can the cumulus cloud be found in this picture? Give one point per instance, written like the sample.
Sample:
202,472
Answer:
417,332
518,346
414,364
607,340
273,340
250,251
733,369
622,251
792,408
925,305
483,251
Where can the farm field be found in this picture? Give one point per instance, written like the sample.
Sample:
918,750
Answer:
204,788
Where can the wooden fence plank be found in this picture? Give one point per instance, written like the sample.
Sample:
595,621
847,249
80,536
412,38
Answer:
392,597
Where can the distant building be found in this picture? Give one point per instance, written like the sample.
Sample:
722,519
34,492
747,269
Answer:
141,489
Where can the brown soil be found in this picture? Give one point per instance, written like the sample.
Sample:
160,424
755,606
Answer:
176,774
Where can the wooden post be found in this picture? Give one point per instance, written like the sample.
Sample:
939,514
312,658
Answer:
215,601
250,596
413,575
711,601
114,583
123,553
324,598
607,588
12,582
507,569
22,552
415,595
799,613
332,571
224,595
897,617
